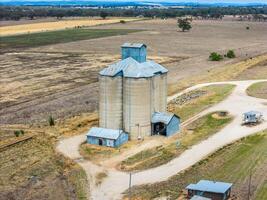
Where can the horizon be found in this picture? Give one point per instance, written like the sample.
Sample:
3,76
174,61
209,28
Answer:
240,2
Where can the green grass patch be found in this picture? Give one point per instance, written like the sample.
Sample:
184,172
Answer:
258,90
200,130
211,95
79,180
232,163
55,37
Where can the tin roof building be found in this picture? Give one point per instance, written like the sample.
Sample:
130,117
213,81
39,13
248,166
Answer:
210,189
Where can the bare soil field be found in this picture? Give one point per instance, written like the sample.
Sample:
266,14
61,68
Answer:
57,25
60,80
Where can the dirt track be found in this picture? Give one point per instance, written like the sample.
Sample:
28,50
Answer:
116,182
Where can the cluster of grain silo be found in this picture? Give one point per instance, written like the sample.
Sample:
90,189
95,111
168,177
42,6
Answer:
131,91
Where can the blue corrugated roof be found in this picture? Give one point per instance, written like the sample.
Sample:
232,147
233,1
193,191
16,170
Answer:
196,197
104,133
210,186
133,69
133,45
162,117
252,113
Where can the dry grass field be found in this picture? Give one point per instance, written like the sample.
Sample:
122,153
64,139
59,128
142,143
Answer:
60,80
57,25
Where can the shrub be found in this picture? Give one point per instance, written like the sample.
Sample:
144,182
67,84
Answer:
51,121
230,54
247,28
122,21
215,56
18,133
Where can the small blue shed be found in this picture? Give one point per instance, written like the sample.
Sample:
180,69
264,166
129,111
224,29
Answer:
252,117
210,189
135,50
165,124
106,137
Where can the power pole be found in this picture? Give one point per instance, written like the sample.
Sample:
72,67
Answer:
130,185
249,184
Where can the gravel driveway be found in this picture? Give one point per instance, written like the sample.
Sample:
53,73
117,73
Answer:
237,103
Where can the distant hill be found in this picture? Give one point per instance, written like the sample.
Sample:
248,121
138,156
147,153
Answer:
124,3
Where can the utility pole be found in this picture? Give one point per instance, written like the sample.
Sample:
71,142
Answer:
130,185
249,184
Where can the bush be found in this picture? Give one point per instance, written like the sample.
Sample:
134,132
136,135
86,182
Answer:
51,121
230,54
17,133
247,28
122,21
215,56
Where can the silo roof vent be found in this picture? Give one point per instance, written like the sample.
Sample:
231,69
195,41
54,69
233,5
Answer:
136,51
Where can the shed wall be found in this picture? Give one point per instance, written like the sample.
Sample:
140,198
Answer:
174,126
110,102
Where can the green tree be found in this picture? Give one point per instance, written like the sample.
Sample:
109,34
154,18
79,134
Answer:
51,121
230,54
184,24
103,14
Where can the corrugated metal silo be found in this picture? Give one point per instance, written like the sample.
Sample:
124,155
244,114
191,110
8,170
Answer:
137,107
110,102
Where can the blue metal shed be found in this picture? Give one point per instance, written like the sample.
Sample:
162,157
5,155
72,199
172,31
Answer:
106,137
210,189
135,50
165,123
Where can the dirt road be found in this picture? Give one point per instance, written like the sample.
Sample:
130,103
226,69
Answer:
117,182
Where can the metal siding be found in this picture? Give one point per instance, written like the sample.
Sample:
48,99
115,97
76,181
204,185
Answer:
110,102
139,54
136,106
173,126
121,140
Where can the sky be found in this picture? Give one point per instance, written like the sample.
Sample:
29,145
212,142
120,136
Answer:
196,1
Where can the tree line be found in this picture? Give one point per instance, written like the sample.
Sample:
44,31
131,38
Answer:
16,13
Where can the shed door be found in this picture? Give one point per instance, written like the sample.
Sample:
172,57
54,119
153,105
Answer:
110,143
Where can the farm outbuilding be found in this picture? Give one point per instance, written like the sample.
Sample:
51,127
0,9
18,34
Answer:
252,117
210,189
165,123
106,137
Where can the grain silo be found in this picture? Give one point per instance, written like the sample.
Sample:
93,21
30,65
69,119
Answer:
131,92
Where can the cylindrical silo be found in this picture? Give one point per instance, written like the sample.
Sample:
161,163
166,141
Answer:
137,106
163,93
159,98
110,102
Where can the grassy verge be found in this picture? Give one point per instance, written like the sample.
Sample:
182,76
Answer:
232,163
227,72
199,130
205,97
62,36
78,179
35,161
258,90
99,153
